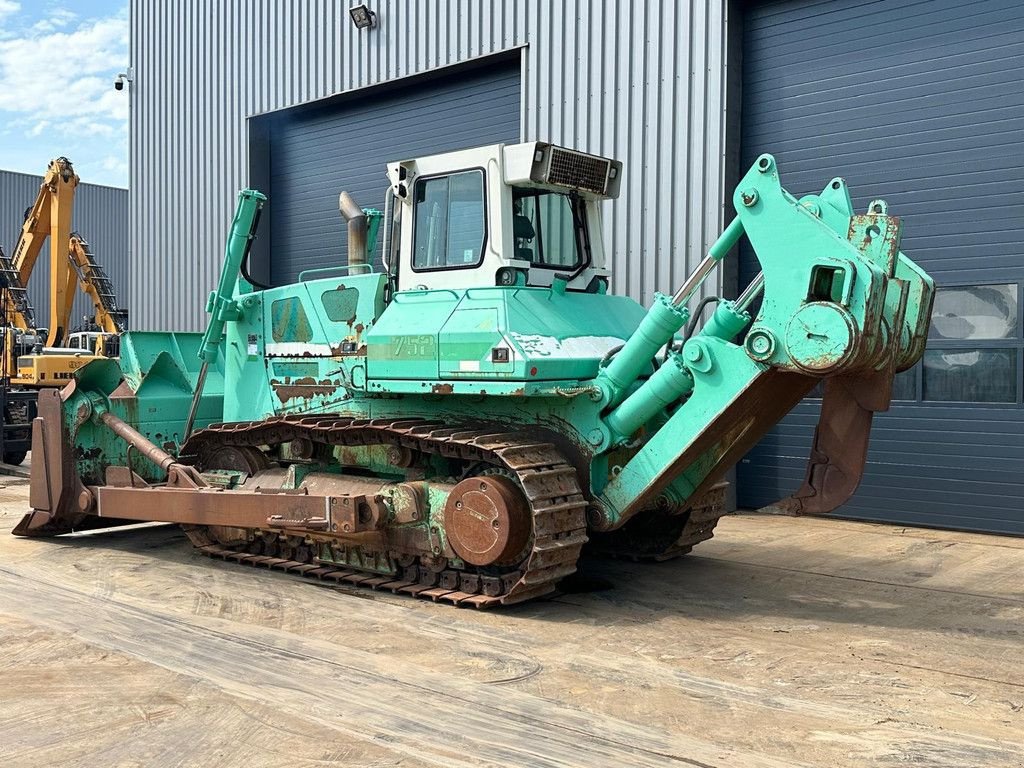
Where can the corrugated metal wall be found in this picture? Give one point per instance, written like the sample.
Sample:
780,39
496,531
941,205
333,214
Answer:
643,82
101,216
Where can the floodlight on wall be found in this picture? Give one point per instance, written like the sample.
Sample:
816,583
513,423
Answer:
362,17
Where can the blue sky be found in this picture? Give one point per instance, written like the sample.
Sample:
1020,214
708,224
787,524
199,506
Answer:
58,60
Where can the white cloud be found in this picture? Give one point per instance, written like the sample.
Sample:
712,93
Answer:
59,18
73,84
56,90
8,8
115,166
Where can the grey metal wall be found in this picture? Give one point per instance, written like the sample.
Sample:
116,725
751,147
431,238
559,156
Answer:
100,215
311,157
644,82
925,110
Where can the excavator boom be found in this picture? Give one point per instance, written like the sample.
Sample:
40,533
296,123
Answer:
50,217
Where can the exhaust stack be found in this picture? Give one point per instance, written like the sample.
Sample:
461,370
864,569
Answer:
356,218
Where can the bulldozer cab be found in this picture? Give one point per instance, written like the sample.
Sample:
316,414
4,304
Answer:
506,215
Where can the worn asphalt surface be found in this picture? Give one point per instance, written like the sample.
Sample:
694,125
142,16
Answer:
780,642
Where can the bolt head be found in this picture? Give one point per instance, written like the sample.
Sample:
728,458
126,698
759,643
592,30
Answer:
760,344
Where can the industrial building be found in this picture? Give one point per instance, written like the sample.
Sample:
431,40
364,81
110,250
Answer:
100,216
919,103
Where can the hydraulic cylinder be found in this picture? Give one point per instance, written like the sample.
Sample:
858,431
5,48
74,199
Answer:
657,328
668,384
726,322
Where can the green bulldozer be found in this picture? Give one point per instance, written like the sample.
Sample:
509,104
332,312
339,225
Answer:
461,422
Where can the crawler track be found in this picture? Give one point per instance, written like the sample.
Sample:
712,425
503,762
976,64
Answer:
549,483
659,536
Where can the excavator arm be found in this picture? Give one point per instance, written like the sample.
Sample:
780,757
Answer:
49,217
17,309
94,282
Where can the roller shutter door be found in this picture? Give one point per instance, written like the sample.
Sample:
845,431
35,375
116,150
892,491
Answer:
315,152
920,103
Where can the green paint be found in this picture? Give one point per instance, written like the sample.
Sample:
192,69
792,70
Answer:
839,298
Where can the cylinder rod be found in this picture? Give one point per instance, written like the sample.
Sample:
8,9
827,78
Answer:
694,281
716,253
750,293
193,408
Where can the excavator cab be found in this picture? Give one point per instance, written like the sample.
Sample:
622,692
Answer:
96,342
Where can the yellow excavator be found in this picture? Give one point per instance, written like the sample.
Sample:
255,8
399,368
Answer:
35,357
43,357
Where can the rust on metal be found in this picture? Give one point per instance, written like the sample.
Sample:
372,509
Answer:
55,489
409,502
840,448
357,228
486,520
204,507
307,387
442,389
137,440
123,477
549,485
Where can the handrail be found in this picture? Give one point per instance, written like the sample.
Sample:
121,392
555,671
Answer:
320,270
399,296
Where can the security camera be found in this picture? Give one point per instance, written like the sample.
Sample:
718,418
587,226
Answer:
119,83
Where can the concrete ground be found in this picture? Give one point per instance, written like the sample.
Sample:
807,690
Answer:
780,642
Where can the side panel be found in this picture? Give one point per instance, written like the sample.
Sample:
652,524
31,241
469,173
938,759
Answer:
452,335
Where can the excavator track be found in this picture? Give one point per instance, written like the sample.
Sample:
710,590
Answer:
549,483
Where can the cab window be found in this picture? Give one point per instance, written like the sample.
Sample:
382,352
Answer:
545,230
449,226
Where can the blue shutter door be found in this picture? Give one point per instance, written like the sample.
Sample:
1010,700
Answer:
318,151
921,104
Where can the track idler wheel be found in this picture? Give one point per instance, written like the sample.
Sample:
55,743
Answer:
487,520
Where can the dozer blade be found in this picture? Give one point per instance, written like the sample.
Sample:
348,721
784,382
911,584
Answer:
840,448
54,486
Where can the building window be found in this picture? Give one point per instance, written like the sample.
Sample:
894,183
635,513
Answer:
976,312
449,225
970,375
988,369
